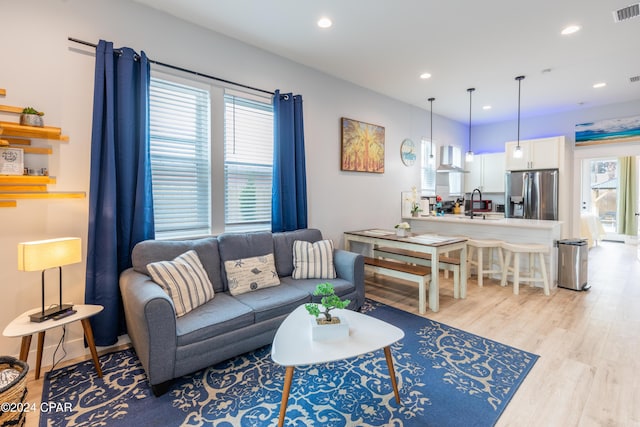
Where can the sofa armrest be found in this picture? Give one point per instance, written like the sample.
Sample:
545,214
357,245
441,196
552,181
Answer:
151,324
350,266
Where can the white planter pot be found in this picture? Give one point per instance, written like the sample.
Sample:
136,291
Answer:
329,332
401,232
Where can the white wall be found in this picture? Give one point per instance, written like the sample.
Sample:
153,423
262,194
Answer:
40,68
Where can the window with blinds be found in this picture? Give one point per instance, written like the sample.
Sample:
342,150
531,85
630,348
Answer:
180,162
248,163
427,170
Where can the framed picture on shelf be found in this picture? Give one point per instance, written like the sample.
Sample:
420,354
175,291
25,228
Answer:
362,146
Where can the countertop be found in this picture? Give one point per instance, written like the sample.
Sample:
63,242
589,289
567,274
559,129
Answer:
492,219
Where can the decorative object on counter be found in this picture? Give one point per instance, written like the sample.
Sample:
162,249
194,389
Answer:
362,147
411,202
469,155
31,117
439,210
517,152
408,152
329,327
402,229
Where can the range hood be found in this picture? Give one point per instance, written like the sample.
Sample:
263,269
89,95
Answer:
446,161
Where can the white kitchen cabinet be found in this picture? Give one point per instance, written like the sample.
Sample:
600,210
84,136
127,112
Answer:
486,172
542,153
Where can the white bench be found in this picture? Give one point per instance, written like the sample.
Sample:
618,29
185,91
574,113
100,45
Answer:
401,270
444,263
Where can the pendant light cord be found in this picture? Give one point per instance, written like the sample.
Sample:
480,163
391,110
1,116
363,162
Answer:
431,130
470,90
519,79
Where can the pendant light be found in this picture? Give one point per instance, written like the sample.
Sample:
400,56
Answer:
517,152
431,155
469,156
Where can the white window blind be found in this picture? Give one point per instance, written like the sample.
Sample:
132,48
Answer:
248,163
180,166
427,170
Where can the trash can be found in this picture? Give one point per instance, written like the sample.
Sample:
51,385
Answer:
572,264
13,391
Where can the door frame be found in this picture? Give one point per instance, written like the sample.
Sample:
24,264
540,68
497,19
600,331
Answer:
593,152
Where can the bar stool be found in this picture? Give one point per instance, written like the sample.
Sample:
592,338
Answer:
514,250
476,247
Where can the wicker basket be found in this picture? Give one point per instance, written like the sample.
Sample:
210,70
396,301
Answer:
13,393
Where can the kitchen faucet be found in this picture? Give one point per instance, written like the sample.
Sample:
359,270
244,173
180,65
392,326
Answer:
471,202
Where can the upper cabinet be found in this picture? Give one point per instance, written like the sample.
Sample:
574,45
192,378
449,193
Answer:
486,173
543,153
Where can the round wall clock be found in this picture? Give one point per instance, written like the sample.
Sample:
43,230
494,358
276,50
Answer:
408,152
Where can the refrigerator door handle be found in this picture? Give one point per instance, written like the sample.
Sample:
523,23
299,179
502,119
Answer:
526,194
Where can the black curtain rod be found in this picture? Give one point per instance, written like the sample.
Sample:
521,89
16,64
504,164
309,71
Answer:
174,67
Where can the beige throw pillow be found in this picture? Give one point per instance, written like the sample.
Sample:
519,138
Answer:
184,279
250,274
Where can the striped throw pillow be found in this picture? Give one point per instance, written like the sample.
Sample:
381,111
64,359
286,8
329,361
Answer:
184,279
313,260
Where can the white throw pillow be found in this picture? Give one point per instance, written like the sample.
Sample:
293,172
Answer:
185,280
250,274
313,260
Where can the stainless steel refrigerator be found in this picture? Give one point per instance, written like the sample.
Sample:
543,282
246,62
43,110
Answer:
531,194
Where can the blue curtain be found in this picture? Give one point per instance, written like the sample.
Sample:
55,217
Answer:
120,198
289,201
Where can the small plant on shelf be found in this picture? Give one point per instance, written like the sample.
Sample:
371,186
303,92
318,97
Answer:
31,117
329,301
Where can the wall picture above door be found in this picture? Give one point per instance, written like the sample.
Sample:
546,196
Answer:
608,131
362,146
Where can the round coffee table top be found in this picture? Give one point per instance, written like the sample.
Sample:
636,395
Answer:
293,346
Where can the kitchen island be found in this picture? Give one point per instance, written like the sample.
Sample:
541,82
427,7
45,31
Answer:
511,230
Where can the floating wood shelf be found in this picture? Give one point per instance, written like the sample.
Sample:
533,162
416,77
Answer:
47,195
10,109
3,92
44,132
8,204
26,179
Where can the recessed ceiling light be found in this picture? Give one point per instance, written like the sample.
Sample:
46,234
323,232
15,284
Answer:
486,107
570,30
324,22
425,76
599,85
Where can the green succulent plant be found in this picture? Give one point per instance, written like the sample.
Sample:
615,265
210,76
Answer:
30,110
329,301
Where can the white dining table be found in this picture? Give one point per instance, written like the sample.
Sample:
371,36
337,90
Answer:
428,243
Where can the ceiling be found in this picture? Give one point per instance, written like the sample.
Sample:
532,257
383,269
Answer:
385,45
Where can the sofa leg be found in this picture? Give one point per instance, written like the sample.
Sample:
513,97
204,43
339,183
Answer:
162,388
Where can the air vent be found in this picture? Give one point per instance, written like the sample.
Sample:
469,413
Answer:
634,79
626,13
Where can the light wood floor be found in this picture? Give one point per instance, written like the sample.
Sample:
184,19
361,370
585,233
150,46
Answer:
588,373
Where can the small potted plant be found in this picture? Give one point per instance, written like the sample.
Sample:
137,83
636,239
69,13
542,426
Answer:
329,326
31,117
402,229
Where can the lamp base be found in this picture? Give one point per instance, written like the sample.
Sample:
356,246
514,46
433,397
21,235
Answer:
50,313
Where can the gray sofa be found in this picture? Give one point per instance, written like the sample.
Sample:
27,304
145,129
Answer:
227,325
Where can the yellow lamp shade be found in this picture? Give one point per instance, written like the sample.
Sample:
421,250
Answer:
43,254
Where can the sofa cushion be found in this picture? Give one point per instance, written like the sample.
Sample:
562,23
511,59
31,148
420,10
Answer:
250,274
220,315
272,302
313,260
184,280
283,247
342,287
234,246
150,251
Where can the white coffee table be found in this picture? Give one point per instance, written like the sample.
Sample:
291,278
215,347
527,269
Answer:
23,327
293,346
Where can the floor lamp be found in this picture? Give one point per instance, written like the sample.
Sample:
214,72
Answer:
44,254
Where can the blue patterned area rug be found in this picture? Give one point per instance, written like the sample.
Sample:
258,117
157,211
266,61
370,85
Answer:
446,377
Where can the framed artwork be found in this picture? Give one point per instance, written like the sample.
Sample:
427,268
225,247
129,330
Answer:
362,147
608,131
